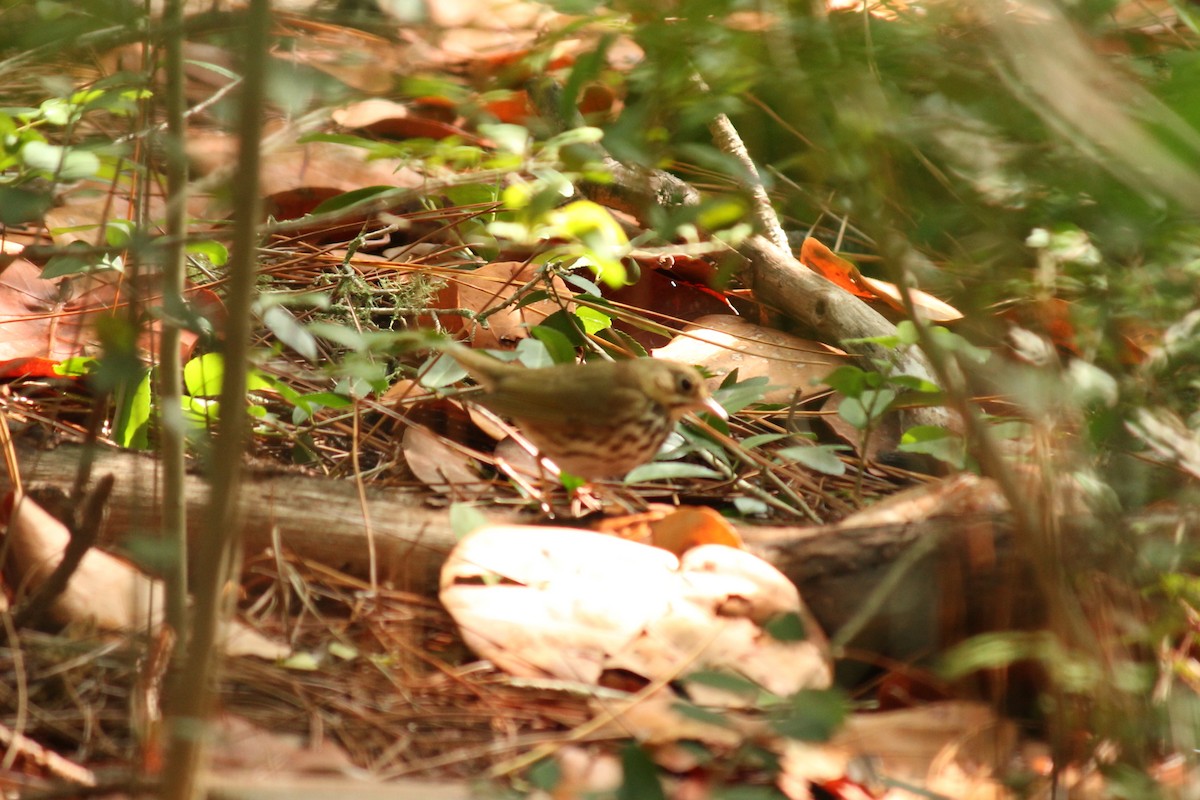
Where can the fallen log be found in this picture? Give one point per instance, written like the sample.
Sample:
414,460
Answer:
960,578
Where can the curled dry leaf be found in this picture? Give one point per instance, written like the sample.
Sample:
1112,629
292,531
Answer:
491,286
390,119
836,269
440,466
722,343
953,749
297,178
43,322
663,292
104,591
574,604
674,529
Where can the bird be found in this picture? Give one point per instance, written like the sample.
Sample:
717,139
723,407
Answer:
597,419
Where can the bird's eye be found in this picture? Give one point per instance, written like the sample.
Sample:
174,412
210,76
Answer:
686,385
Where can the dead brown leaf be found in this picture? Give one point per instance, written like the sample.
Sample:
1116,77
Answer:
722,343
557,602
104,591
495,286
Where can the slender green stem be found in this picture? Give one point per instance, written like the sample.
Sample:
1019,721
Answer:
218,547
170,387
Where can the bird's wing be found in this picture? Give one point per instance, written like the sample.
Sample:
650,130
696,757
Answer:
564,404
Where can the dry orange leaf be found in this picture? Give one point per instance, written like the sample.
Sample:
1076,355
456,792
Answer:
693,526
834,268
41,324
513,108
674,529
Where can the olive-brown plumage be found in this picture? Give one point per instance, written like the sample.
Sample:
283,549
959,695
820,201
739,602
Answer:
595,420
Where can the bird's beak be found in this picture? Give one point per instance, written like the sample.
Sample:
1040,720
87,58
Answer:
715,408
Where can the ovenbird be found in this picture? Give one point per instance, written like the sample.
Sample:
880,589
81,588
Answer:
594,420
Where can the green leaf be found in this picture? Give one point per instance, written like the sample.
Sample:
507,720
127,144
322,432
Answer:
557,344
567,324
216,68
669,470
720,213
343,335
625,344
733,399
474,194
890,341
326,399
536,296
907,332
704,715
301,662
850,381
75,366
751,507
534,354
877,401
851,409
343,651
575,136
821,458
68,164
814,715
61,266
726,682
510,138
442,371
257,381
131,425
352,198
119,232
203,375
604,240
786,627
20,205
951,342
57,111
216,253
935,441
639,776
1003,648
590,290
915,383
199,411
545,774
593,321
751,442
285,327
